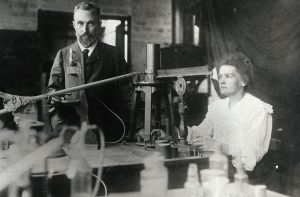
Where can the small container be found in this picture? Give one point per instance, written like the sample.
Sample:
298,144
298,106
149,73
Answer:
194,150
80,174
240,186
215,187
260,191
182,149
192,185
207,174
164,149
174,151
157,142
218,160
154,178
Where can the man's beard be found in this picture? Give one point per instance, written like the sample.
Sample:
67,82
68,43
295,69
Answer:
87,40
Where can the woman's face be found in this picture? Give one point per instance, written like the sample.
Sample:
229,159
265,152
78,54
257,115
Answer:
230,81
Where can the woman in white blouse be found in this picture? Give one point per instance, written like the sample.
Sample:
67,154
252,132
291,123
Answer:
241,122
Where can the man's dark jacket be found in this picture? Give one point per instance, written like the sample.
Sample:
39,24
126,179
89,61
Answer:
104,62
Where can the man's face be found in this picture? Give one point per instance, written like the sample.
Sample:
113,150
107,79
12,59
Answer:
87,27
230,81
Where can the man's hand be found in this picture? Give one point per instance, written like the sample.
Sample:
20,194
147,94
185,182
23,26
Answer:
56,100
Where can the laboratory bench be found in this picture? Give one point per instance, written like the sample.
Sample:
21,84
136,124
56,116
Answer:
123,162
121,170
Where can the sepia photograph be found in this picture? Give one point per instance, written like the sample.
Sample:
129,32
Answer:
149,98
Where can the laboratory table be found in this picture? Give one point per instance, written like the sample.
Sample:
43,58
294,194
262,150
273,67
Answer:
123,163
121,170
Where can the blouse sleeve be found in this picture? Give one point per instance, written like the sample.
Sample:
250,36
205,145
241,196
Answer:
204,129
254,142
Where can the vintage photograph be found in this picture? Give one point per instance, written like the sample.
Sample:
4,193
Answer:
149,98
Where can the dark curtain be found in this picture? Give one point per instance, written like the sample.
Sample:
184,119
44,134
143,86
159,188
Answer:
269,33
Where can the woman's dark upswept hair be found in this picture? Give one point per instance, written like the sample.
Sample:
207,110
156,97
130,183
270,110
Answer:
242,64
88,6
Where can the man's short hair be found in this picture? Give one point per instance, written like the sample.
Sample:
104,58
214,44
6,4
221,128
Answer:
88,6
242,64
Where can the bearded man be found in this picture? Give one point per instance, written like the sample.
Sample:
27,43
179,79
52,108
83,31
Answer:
88,60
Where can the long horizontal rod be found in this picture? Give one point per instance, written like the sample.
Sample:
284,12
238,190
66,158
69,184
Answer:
89,85
78,88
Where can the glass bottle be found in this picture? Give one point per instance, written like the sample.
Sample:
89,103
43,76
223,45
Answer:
80,175
240,186
192,185
79,171
218,160
154,178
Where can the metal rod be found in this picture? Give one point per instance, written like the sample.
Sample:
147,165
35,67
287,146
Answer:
89,85
77,88
153,58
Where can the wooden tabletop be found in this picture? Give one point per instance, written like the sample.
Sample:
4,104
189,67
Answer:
115,155
127,154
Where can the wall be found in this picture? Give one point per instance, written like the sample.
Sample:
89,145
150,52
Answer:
151,23
18,14
110,7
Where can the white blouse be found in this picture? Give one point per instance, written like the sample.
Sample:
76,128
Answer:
246,128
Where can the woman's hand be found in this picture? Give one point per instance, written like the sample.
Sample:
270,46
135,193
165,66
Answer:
205,143
209,144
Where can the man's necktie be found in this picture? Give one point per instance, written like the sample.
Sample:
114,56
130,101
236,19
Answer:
85,55
83,105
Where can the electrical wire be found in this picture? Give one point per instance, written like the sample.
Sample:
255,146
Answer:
104,185
105,188
101,156
123,124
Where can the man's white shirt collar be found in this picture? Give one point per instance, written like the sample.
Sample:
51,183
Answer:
91,48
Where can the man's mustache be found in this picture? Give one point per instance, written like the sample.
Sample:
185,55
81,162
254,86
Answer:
86,35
